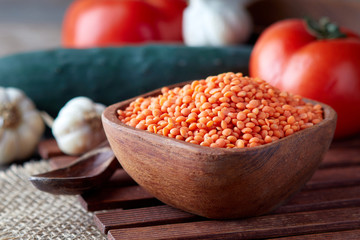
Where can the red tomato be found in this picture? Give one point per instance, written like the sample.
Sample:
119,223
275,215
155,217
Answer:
290,58
98,23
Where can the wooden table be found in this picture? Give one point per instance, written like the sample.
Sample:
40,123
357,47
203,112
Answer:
328,207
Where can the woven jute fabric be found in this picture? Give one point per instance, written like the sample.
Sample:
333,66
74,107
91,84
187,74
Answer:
27,213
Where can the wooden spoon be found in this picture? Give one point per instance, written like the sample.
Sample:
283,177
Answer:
87,172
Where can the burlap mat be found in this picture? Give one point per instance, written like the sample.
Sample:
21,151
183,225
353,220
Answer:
27,213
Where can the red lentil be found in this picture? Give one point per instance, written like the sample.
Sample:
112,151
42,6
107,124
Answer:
226,111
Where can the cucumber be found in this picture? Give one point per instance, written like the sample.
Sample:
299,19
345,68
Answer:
108,75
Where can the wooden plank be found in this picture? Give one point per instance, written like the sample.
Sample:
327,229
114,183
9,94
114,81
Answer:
48,148
277,225
141,217
111,198
334,177
334,187
350,142
113,195
322,199
342,235
120,179
304,201
341,157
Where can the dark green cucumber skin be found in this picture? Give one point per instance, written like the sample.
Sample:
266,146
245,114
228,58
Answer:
109,75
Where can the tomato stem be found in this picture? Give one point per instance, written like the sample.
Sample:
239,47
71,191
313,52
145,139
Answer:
323,29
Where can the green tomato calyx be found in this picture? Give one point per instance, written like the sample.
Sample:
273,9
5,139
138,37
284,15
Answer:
323,29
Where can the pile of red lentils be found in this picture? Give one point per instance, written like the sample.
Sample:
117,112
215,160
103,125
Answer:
224,111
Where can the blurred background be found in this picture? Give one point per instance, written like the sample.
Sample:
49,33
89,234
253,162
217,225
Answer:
27,25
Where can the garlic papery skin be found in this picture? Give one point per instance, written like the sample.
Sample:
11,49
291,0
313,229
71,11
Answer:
21,126
78,128
216,23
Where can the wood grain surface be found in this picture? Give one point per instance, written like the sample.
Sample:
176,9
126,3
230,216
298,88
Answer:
328,207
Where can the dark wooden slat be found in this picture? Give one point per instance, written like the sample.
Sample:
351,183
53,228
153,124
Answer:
119,179
326,194
332,192
114,196
341,157
141,217
350,235
304,201
334,177
48,148
351,142
110,198
251,228
322,199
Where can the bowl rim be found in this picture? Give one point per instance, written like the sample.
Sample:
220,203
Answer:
109,116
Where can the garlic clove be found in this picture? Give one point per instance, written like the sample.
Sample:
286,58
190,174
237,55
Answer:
79,141
78,128
8,146
21,126
216,23
25,141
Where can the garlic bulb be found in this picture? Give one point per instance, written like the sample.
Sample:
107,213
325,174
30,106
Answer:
78,128
216,23
21,125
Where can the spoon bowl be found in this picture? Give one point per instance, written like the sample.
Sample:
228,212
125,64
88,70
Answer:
217,182
87,172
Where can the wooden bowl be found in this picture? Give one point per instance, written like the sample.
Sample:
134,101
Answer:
218,183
